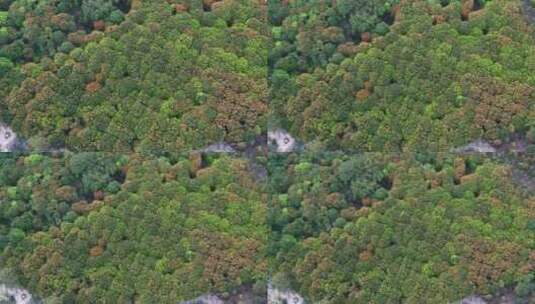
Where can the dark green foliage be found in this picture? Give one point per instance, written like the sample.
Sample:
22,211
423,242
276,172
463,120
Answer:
309,33
5,66
38,191
93,10
40,28
150,79
318,189
181,227
430,229
170,77
424,85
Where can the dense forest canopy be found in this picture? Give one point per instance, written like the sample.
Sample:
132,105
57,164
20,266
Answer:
40,191
338,228
117,107
386,228
92,227
442,74
171,76
33,29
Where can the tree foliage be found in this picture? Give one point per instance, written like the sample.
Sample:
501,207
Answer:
170,77
173,225
39,191
424,85
434,229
